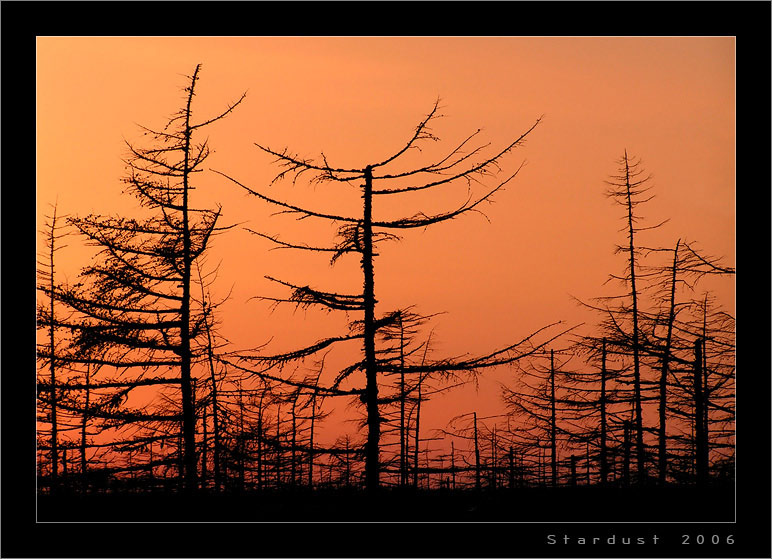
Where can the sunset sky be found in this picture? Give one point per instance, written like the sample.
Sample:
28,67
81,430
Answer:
549,236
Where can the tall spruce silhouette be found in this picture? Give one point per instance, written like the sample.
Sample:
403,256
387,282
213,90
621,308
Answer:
629,188
361,235
138,295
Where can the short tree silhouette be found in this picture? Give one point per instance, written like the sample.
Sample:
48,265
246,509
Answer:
49,350
546,402
687,268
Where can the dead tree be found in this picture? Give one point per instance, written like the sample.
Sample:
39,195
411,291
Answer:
702,385
47,320
542,401
361,235
138,293
208,346
315,401
718,382
683,273
628,189
600,395
663,382
700,433
623,314
652,336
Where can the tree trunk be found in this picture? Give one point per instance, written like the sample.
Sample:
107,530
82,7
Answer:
539,465
705,390
52,346
186,388
511,469
241,439
603,429
476,457
553,424
311,442
83,433
700,439
587,463
663,377
204,451
260,445
348,464
402,396
494,459
371,390
278,446
213,378
428,466
626,467
636,350
573,471
453,464
293,443
417,432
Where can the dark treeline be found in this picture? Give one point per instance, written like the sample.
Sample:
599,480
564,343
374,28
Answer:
139,392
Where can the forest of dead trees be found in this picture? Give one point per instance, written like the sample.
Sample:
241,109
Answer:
139,392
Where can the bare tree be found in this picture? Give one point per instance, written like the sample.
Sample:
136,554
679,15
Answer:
361,235
628,189
646,323
137,295
621,327
47,320
702,387
544,401
687,268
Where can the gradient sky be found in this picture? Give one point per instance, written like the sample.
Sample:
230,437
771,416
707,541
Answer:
550,234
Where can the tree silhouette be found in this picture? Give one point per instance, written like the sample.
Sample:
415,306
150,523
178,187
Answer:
137,296
623,314
657,337
687,268
361,235
544,401
702,387
210,345
628,189
590,399
47,320
666,356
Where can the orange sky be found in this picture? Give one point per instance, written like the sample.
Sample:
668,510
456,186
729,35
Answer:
669,101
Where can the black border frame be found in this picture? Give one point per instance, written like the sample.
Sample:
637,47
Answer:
22,21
